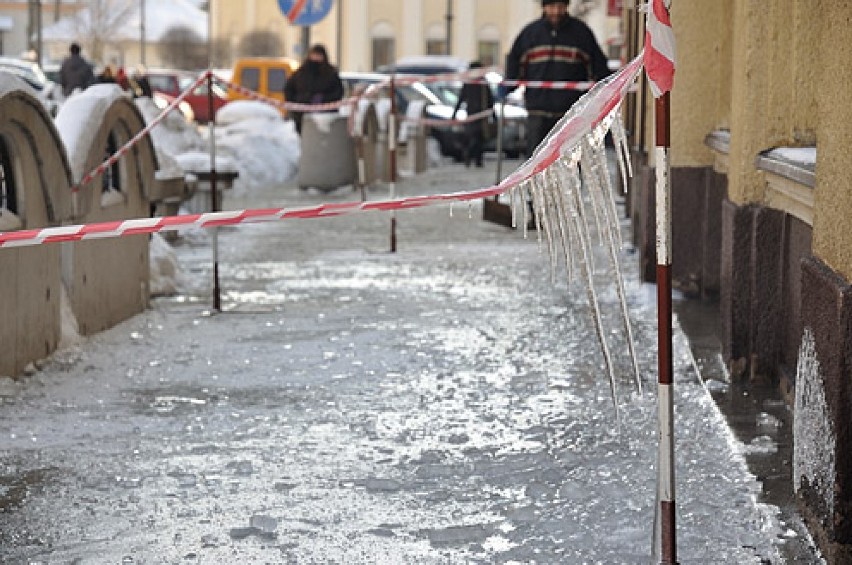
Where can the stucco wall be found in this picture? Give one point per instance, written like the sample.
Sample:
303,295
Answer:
833,198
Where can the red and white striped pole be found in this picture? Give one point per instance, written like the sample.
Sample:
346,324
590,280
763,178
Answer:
392,158
214,203
665,398
660,68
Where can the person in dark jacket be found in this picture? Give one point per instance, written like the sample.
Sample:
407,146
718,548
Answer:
554,47
75,72
315,82
477,98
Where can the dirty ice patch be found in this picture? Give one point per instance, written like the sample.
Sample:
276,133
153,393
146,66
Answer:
265,147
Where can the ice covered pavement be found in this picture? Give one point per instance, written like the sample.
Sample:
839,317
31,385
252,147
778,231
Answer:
446,404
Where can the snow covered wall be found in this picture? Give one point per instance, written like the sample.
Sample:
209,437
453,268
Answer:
107,281
36,193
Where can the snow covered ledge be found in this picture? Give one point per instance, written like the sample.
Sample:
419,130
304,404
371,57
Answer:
790,177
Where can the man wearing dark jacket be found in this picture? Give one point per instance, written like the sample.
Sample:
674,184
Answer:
315,82
477,98
75,72
555,47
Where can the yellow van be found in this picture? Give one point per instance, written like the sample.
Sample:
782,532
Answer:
265,75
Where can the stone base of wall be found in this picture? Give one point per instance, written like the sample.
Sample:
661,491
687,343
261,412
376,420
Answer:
761,254
697,193
827,314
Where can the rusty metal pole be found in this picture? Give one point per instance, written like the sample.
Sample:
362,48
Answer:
214,196
665,397
392,159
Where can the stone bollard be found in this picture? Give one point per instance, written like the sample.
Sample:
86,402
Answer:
328,152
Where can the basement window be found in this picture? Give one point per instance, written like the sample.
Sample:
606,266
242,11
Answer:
9,206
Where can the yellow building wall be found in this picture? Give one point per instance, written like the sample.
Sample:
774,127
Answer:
833,206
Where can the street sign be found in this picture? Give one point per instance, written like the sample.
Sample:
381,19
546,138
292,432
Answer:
305,12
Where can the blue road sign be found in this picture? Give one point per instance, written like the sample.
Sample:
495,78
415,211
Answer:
305,12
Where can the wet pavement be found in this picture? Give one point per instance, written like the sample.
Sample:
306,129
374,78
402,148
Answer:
446,404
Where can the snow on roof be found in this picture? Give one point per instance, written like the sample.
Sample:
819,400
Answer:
77,126
160,17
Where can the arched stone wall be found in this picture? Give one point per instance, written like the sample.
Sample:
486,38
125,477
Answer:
41,179
107,281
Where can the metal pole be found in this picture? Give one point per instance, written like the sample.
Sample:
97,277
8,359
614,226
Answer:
500,119
39,41
449,27
142,31
306,40
392,159
211,128
665,397
339,54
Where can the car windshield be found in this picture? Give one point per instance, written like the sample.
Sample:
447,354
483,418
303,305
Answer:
201,89
29,73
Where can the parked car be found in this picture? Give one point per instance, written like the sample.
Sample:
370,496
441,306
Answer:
265,75
169,84
452,139
47,91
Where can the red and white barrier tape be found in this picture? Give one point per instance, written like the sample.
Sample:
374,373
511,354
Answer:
569,132
550,84
473,75
432,122
283,104
100,169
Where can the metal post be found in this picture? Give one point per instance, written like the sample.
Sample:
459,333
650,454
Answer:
306,41
39,39
665,398
339,53
500,119
142,31
211,128
449,27
392,159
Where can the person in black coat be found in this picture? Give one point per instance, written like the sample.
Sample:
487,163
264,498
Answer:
315,82
554,47
477,98
75,72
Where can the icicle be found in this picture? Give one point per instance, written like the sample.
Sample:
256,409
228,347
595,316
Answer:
452,202
525,208
613,244
536,202
544,216
588,181
514,206
576,203
470,210
620,141
561,213
588,279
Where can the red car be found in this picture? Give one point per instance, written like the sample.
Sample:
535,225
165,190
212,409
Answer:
171,84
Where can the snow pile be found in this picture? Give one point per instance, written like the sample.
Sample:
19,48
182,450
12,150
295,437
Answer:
164,267
174,135
199,161
813,440
69,330
265,147
241,110
9,221
79,119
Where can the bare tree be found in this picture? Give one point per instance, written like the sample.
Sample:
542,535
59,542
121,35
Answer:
182,48
261,44
99,25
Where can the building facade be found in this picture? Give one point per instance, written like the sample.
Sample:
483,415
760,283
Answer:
19,22
762,219
362,35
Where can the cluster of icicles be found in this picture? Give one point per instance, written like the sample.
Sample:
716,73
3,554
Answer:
573,207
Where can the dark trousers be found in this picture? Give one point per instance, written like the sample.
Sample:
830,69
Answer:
538,127
475,143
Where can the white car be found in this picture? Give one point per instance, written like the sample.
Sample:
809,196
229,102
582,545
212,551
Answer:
47,91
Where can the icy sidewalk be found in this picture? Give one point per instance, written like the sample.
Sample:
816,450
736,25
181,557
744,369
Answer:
442,405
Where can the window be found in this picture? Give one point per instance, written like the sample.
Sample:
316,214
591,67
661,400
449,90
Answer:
383,51
8,195
436,47
111,179
250,78
489,53
276,80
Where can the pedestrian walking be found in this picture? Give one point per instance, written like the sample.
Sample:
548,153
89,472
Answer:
555,47
476,97
75,72
315,82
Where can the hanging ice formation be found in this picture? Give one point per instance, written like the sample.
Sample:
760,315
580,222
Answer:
574,208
